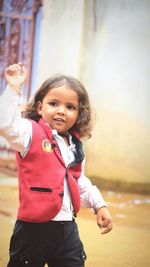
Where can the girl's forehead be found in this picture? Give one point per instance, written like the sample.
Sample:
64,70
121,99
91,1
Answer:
63,92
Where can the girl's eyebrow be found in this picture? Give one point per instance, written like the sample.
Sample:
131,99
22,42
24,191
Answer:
68,103
53,99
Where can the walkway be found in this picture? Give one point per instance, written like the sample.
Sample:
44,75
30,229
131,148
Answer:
126,246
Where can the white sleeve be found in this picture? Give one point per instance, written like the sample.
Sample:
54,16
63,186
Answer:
16,130
90,195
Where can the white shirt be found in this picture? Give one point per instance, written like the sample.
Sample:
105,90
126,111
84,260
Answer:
18,132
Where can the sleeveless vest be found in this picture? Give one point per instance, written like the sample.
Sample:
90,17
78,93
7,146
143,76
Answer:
41,176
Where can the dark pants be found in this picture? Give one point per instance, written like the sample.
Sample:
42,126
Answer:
56,243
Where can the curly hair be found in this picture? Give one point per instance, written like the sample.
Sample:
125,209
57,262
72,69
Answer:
83,124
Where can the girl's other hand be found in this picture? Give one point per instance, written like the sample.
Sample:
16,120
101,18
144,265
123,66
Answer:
104,220
15,75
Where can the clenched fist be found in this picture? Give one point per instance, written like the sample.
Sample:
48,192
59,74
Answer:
15,75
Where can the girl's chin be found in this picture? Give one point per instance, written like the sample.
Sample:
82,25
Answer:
60,131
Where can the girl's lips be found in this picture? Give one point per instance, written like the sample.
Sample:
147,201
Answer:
59,120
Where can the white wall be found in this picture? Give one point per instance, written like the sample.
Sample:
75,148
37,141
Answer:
116,69
61,33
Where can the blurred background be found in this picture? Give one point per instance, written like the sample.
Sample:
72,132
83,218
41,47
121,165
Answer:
106,45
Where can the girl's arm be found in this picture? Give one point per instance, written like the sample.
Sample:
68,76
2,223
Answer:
90,194
16,130
92,198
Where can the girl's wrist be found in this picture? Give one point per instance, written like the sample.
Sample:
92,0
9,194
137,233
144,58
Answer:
15,88
100,208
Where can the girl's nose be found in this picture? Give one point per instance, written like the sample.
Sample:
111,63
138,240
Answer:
61,109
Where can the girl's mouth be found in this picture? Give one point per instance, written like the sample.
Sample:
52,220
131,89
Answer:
61,120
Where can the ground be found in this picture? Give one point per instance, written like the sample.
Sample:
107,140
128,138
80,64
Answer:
127,245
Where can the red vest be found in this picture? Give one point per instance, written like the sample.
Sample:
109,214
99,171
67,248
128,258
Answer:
41,176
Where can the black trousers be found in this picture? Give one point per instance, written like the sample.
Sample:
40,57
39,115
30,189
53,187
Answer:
56,243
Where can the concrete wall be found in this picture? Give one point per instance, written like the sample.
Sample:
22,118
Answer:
116,69
105,44
61,34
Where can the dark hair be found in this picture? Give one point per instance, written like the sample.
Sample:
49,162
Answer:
83,123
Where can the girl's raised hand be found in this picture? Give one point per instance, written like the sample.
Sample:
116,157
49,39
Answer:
15,75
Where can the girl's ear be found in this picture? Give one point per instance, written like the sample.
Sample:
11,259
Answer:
39,107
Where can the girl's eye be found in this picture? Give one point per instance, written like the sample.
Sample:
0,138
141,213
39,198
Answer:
70,107
53,104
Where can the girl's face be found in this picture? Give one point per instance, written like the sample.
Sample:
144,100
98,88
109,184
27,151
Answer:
59,108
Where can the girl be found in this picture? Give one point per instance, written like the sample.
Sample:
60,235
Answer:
52,184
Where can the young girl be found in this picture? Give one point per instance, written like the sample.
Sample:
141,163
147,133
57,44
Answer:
52,184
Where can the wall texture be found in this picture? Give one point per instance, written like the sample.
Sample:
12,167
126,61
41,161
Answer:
119,82
61,34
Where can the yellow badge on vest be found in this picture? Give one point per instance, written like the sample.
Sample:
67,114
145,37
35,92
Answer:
46,145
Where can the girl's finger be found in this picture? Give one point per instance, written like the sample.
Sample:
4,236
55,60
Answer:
107,229
9,71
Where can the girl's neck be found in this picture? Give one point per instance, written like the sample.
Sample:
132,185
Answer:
65,136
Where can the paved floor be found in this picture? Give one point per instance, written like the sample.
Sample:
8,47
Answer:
126,246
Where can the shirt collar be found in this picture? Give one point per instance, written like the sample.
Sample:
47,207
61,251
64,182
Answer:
57,136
